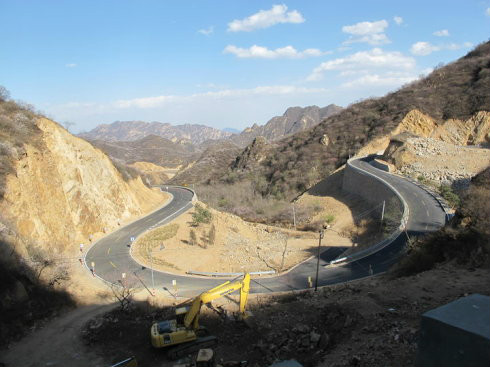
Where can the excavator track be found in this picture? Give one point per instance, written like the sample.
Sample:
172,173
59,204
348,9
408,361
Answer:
193,346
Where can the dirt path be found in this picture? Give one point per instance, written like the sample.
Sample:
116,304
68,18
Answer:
58,343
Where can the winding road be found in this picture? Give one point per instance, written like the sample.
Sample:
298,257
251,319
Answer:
111,254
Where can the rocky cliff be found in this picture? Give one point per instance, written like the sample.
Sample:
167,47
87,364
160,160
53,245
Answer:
295,119
60,190
449,153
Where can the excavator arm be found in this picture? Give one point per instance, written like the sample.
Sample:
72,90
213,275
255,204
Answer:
191,319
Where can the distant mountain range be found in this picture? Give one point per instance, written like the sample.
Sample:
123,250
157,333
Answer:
293,120
135,130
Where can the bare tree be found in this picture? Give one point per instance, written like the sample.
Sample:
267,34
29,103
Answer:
4,93
212,235
123,293
59,275
68,125
192,238
39,260
271,264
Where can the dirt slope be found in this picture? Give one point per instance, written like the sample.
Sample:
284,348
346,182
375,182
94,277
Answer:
64,190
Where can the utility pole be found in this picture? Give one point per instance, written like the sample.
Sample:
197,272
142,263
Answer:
318,257
294,217
152,279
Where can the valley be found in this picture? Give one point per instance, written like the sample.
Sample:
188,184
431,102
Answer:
353,223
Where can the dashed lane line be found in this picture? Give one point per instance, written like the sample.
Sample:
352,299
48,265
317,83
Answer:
113,264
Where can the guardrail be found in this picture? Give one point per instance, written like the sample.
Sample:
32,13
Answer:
194,195
380,245
207,274
448,211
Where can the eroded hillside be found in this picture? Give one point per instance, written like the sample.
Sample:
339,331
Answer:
58,190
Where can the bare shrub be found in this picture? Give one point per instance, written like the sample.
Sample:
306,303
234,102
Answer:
123,293
242,198
192,238
212,235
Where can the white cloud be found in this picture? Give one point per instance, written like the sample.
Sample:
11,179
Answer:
377,80
426,48
265,19
364,28
288,52
423,48
398,20
369,32
206,31
72,65
488,12
365,60
441,33
159,101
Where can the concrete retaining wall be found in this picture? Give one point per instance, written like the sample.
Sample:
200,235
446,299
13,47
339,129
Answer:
374,190
367,186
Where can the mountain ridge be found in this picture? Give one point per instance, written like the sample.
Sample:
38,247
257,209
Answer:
135,130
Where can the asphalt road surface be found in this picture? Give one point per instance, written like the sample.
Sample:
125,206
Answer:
111,254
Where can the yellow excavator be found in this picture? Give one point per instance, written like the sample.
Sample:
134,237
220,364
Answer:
184,333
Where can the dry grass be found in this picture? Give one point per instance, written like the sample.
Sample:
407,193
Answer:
151,241
242,198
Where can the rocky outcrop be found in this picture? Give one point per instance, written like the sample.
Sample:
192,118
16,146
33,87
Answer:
474,131
294,120
63,190
437,161
253,154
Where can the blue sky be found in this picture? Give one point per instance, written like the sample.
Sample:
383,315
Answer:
222,63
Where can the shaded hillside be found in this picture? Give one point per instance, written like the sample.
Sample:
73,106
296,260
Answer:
457,90
295,119
152,148
464,240
215,159
135,130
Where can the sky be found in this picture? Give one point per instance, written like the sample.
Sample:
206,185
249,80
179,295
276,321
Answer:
222,63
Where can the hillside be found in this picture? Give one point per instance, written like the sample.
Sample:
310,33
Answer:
456,91
60,190
151,148
295,119
134,130
213,160
56,191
